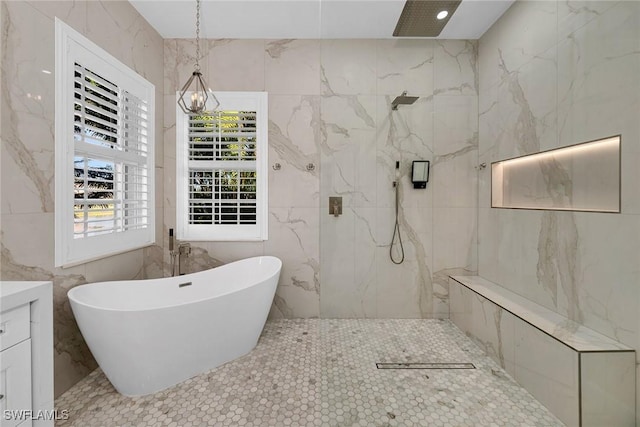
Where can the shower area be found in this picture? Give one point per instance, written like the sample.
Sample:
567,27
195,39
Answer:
420,104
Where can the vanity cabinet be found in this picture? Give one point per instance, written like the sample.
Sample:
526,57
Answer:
26,354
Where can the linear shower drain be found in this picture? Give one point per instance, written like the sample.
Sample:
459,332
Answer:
425,366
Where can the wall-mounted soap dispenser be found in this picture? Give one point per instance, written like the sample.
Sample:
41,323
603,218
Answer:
420,173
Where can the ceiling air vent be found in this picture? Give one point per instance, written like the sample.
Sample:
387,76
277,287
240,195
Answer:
419,18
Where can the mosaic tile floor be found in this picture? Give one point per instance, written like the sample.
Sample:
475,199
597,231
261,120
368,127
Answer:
323,373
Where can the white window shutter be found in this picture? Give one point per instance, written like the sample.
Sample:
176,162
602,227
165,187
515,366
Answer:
222,174
104,153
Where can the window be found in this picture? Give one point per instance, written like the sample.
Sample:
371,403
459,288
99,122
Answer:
104,153
222,170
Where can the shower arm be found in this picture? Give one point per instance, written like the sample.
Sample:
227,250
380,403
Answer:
403,99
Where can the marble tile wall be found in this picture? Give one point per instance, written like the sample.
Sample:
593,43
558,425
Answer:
362,138
329,104
27,154
554,74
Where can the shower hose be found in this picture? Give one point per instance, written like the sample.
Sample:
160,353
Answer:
396,231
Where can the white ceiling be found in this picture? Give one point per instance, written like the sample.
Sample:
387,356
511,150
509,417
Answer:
306,19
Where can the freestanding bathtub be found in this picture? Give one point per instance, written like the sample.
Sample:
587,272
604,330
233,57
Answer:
148,335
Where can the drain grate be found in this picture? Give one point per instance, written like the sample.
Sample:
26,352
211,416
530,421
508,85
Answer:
425,366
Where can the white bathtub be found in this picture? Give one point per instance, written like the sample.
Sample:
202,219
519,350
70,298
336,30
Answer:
148,335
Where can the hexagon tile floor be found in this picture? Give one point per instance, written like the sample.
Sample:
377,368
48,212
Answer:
323,373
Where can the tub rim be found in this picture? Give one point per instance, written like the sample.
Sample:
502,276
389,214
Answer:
73,299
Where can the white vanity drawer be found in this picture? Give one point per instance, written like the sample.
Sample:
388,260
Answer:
14,326
15,382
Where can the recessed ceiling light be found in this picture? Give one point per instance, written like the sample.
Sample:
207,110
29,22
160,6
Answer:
46,71
442,14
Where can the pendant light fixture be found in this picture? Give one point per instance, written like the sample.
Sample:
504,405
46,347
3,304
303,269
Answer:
195,96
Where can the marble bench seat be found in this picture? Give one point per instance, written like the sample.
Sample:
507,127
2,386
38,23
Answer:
582,376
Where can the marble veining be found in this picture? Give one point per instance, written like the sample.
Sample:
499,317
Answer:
293,223
23,109
554,74
557,244
461,56
471,145
27,133
275,48
68,342
565,330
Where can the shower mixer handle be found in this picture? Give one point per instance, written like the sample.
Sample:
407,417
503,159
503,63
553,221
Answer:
335,206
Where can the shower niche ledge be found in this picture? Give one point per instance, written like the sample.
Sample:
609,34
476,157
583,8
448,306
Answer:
583,377
583,177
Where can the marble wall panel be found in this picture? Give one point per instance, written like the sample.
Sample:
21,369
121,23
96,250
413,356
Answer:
27,134
489,58
364,175
294,127
597,91
367,239
339,297
236,65
455,250
407,290
405,65
489,139
608,253
27,111
488,243
455,171
550,373
526,30
348,128
574,14
456,67
607,382
292,67
555,74
348,67
293,237
403,135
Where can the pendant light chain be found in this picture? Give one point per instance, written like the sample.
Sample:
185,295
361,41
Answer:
197,35
195,96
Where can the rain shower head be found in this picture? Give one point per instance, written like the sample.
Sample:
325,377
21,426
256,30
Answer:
403,100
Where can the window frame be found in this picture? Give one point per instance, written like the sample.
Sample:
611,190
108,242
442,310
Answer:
71,47
233,101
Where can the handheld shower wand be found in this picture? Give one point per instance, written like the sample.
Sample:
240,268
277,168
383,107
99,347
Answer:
172,253
395,183
396,228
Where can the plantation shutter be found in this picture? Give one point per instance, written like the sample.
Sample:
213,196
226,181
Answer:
225,178
105,162
222,168
111,189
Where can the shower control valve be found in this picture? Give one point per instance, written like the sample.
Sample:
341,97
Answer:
335,206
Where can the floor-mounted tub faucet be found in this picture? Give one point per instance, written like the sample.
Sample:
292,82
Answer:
184,249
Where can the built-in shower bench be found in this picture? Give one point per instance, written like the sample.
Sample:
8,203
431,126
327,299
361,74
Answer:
583,377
